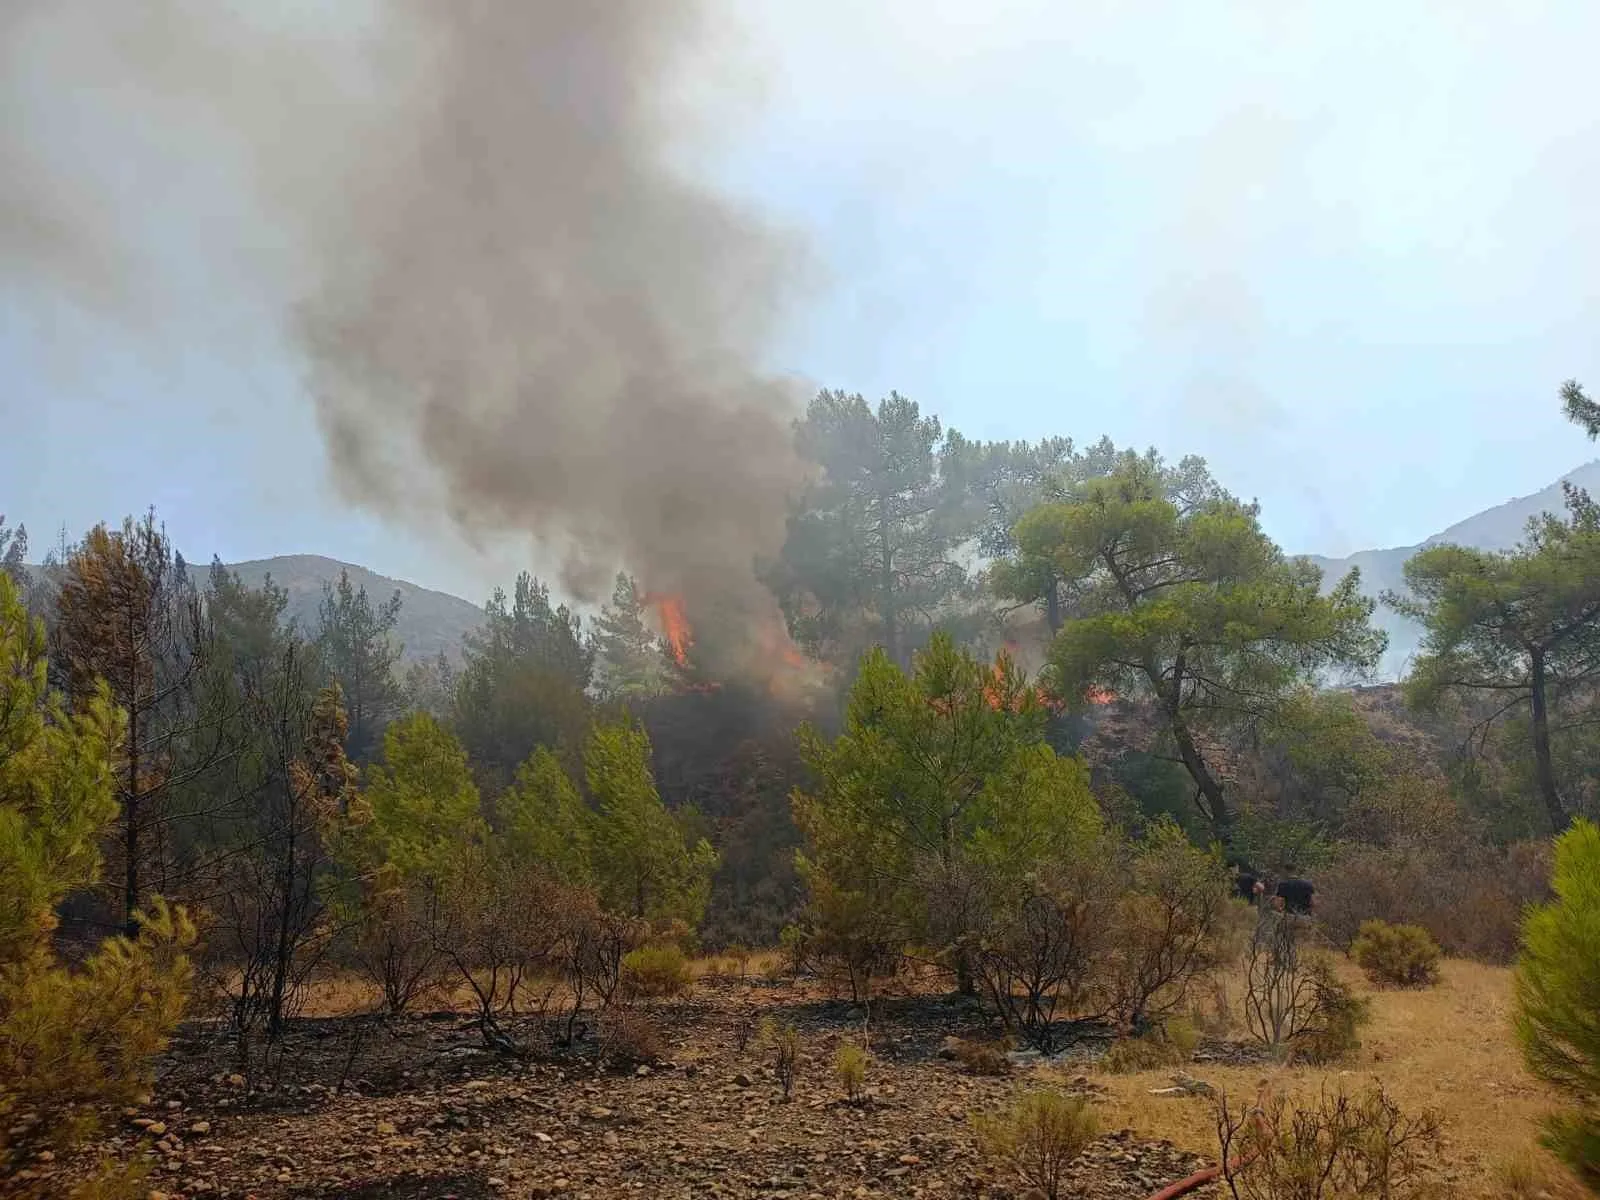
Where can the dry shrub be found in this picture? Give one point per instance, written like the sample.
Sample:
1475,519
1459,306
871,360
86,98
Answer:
393,944
1212,1014
1294,1001
783,1044
656,972
629,1038
1401,955
744,1027
1038,1138
1467,895
1038,958
1170,928
982,1057
850,1069
1334,1031
1342,1147
1530,1176
1169,1044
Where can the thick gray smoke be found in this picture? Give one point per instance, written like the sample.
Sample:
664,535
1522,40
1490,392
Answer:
514,301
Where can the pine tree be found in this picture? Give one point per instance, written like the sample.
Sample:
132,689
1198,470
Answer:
71,1040
359,653
644,864
1558,997
545,821
128,614
629,661
1182,599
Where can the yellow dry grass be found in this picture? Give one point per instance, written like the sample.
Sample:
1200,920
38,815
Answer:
1449,1047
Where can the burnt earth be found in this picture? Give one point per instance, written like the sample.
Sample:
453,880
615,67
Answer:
427,1113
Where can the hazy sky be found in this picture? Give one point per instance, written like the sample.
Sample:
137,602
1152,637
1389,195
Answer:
1346,252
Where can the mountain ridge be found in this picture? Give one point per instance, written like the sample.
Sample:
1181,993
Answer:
432,622
1500,527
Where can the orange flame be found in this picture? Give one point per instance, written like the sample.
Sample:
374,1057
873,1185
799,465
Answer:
1100,695
674,625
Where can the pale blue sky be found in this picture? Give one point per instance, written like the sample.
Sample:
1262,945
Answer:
1347,252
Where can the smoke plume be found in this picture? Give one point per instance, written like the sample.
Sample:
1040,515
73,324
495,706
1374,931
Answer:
515,302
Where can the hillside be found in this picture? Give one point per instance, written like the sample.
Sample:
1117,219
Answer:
1497,528
429,621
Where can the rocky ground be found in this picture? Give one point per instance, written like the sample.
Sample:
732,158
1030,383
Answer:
424,1111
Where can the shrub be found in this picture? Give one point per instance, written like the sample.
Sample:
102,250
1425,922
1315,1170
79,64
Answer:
793,952
1039,958
1402,955
1469,896
628,1037
850,1068
783,1044
1532,1176
1168,930
655,972
1213,1015
1341,1148
393,939
1294,1001
982,1057
1558,994
1166,1045
1038,1138
1333,1031
744,1027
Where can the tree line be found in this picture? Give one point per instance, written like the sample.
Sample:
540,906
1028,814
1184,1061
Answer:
212,785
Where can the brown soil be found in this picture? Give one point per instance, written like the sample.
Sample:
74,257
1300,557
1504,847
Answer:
426,1113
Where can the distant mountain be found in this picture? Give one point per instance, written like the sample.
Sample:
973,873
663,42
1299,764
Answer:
1497,528
429,621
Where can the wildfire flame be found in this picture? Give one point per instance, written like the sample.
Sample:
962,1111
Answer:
674,625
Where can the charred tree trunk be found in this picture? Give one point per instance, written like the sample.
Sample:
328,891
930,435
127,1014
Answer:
886,596
1544,766
130,838
1052,605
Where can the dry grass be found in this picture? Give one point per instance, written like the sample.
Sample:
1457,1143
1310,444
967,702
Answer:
1450,1048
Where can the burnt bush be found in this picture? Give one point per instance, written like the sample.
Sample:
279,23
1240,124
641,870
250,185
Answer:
1339,1146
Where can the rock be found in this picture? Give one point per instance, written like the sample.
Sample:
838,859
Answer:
741,1079
387,1128
200,1127
236,1081
154,1128
642,1072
